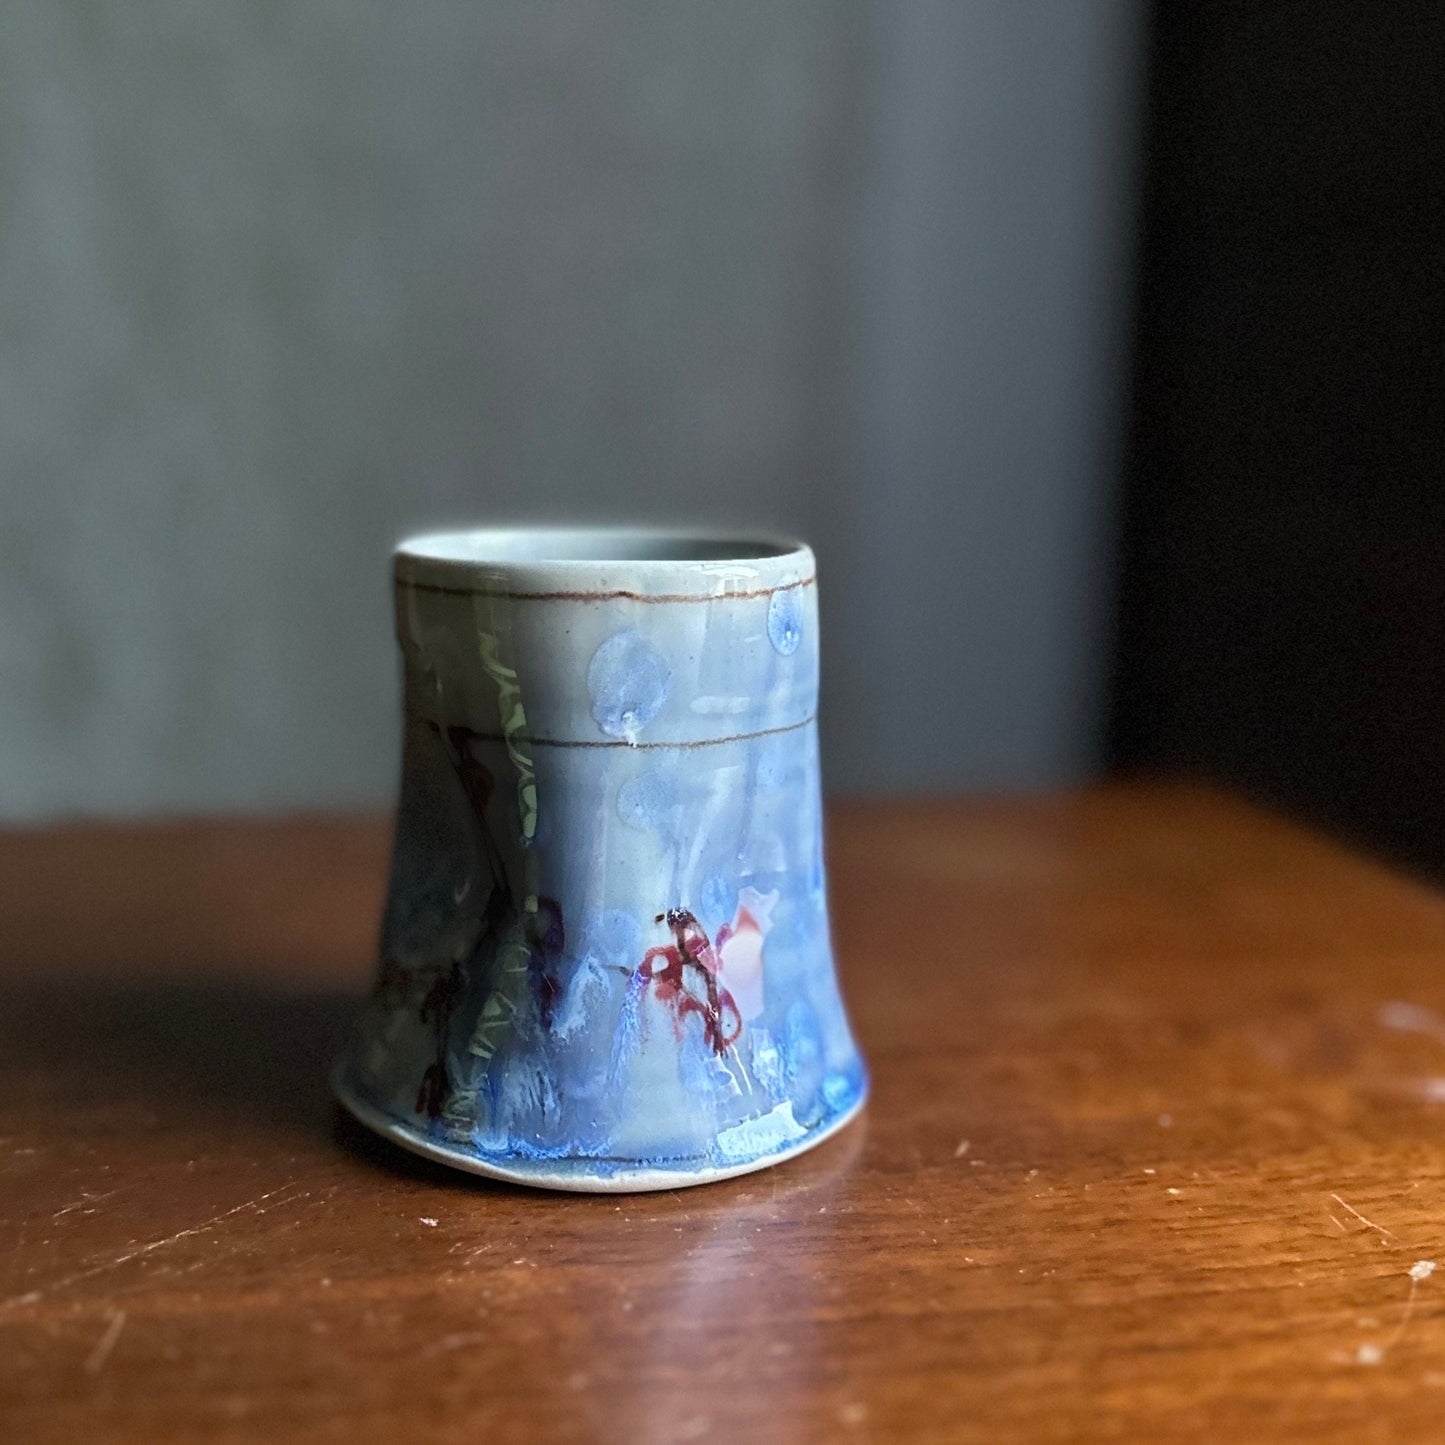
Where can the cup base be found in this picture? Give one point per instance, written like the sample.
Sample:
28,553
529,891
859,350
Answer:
581,1175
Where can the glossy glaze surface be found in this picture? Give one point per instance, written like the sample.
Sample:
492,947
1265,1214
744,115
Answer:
605,959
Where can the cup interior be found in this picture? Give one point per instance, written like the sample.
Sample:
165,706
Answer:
584,546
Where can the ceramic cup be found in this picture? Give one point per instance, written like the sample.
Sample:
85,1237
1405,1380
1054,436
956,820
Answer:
605,961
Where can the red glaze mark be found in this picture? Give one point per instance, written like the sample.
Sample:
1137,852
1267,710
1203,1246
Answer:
546,938
667,967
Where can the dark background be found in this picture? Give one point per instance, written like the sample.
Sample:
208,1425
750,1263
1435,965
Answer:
1282,586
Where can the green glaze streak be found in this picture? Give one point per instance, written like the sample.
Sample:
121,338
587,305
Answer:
514,731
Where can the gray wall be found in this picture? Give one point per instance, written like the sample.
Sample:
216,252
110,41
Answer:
280,281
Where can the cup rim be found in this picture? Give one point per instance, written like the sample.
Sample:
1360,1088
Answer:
585,561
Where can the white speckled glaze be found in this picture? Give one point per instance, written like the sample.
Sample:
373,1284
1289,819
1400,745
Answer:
605,961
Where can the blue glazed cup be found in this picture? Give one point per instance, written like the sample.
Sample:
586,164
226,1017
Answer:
605,961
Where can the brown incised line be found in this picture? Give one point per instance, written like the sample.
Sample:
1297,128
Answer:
620,594
623,743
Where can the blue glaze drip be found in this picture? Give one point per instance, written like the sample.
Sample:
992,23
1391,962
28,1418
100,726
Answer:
785,620
646,801
628,681
613,938
719,900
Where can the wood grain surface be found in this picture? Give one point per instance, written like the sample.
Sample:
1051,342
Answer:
1156,1151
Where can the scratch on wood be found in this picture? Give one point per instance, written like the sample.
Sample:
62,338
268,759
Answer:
86,1197
95,1362
1372,1354
453,1342
32,1296
1368,1223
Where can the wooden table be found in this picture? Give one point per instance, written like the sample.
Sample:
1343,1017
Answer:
1156,1151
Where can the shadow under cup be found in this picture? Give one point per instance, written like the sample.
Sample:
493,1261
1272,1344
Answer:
605,961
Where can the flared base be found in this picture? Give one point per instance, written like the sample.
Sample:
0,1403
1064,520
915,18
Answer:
583,1175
